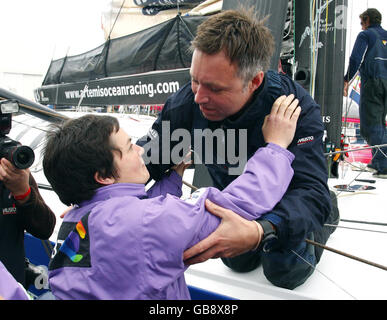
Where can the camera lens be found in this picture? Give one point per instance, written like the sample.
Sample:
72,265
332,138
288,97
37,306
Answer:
22,157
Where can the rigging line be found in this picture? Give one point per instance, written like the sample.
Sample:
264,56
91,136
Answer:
349,82
352,165
365,222
293,59
318,22
347,255
326,18
30,126
358,229
338,193
354,150
326,5
290,21
312,39
99,58
362,170
381,152
324,275
115,20
54,115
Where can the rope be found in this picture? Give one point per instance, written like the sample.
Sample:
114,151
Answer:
353,150
359,229
324,275
346,255
365,222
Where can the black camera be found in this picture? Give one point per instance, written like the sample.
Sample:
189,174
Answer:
20,156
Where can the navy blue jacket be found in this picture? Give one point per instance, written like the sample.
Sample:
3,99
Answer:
363,44
306,204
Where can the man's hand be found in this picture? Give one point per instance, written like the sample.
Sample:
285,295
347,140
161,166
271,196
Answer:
280,125
233,237
15,180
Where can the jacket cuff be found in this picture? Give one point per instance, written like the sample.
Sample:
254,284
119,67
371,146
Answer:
282,150
277,221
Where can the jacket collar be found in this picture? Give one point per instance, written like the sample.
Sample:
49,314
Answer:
117,190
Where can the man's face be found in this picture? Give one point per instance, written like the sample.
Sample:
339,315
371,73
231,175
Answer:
218,90
364,24
130,165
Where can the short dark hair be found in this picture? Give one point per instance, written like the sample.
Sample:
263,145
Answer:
75,151
373,15
244,39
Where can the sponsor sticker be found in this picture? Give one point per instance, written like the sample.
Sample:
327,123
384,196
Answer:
305,140
10,210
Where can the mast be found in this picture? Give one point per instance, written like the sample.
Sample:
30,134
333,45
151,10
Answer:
320,35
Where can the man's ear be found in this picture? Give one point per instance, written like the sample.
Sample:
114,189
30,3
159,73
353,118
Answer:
257,80
101,180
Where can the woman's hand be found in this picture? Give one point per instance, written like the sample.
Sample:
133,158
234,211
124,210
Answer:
280,125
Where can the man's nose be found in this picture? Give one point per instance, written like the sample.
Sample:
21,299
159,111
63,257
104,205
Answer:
201,95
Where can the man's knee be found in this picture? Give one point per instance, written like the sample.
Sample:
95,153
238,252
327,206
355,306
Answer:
289,268
245,262
283,268
288,278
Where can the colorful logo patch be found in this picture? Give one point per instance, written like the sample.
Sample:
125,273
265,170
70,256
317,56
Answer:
73,245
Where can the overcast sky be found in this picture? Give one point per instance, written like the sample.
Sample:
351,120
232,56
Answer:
35,31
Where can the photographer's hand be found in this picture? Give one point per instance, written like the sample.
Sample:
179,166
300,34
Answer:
15,180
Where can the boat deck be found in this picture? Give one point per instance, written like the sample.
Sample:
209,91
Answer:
336,276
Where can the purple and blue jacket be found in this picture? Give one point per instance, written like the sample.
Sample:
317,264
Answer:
10,289
128,243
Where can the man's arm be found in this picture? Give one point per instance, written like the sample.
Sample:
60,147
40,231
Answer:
303,208
37,217
176,114
235,235
358,52
307,204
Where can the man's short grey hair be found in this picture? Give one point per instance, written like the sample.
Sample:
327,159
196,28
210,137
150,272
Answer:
244,39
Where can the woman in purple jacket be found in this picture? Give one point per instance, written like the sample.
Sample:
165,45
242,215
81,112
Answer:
122,242
10,289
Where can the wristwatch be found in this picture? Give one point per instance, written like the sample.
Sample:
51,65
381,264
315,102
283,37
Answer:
269,235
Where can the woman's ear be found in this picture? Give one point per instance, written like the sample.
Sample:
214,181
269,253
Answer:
101,180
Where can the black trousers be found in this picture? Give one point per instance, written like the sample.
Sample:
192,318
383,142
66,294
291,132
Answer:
373,111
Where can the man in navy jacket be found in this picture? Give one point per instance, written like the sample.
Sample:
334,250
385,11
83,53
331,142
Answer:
231,92
369,56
